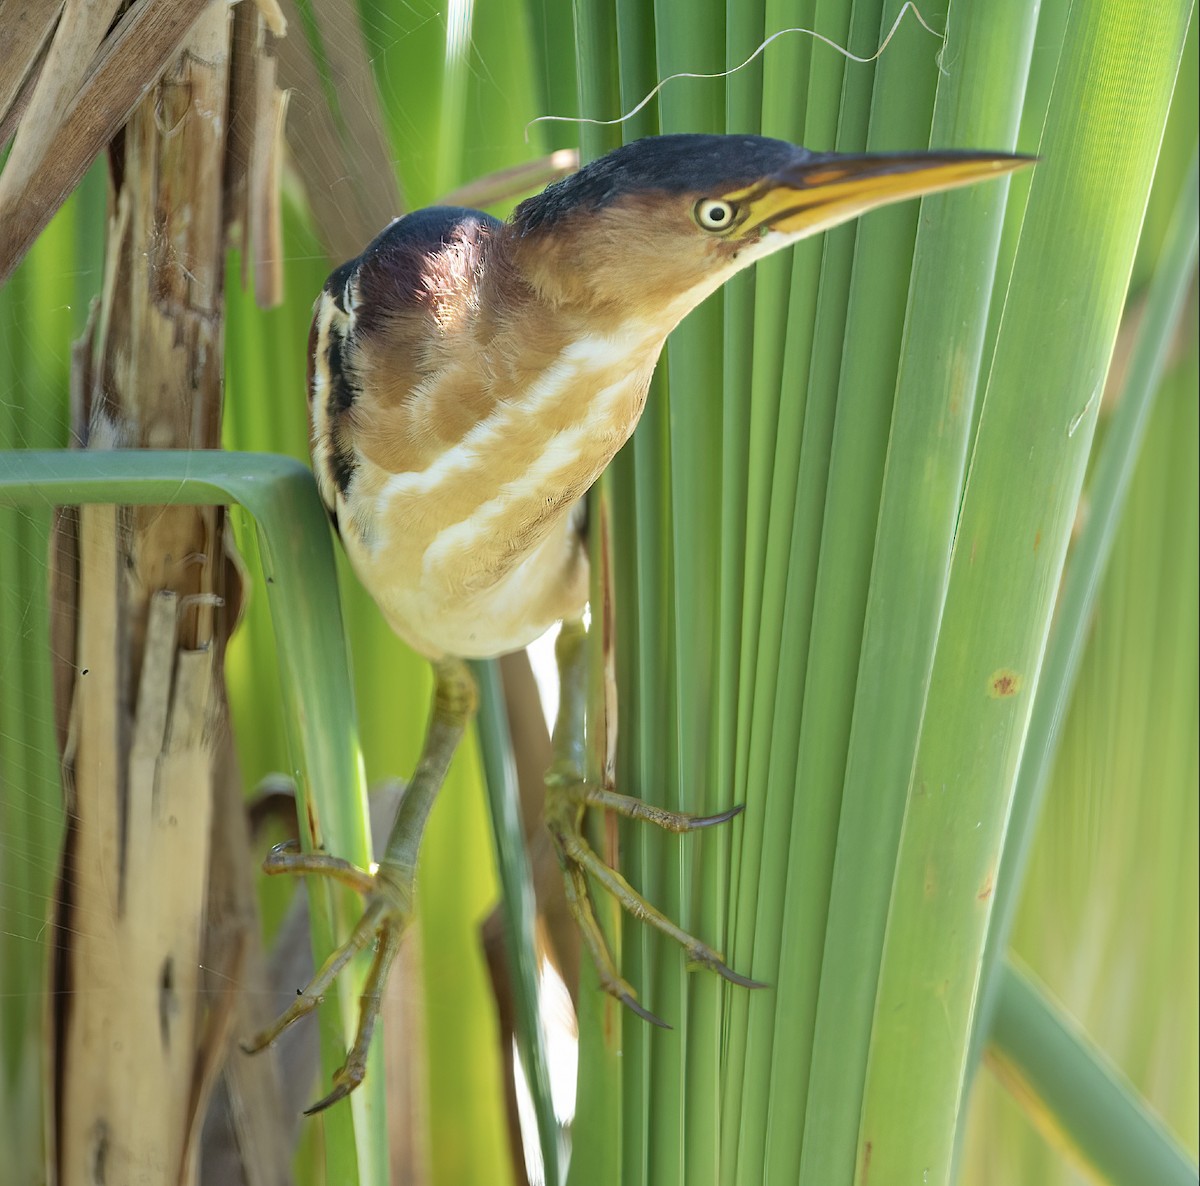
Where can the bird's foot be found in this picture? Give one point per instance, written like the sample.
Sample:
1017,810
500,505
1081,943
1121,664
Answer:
567,798
386,913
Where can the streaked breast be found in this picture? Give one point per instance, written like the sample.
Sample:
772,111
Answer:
489,499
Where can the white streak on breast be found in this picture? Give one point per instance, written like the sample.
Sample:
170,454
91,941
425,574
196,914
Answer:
589,353
602,350
473,448
560,454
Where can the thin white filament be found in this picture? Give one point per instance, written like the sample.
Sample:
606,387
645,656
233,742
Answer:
608,123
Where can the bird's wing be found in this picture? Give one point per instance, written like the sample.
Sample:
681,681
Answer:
383,332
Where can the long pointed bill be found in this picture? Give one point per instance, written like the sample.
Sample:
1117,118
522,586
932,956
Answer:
830,188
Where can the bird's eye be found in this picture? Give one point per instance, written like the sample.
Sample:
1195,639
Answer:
714,215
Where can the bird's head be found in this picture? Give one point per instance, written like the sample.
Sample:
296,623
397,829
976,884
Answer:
652,228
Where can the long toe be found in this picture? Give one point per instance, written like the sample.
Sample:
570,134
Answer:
288,858
579,861
382,925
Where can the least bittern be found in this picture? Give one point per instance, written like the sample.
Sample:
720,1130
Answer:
469,379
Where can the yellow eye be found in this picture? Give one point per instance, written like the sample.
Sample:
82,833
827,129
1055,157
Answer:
714,215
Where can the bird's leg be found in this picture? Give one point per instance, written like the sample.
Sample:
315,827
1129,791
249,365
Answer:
568,794
390,891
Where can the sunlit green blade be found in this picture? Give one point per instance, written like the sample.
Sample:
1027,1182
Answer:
786,292
870,351
804,509
752,402
743,113
1089,560
743,308
1135,595
789,641
644,645
979,103
1074,257
684,1142
1108,911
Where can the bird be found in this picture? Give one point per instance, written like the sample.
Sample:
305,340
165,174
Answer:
469,379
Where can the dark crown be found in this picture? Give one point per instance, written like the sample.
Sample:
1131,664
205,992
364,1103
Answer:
672,164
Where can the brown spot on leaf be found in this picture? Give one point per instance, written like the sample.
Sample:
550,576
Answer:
1037,540
865,1176
1004,682
989,884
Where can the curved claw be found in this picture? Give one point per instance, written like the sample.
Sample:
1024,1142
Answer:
722,817
338,1093
344,1082
700,955
727,973
574,789
631,1002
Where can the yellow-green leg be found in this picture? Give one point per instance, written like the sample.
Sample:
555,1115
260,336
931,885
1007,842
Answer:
568,795
389,891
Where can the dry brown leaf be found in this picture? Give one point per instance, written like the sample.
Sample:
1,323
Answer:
65,127
263,199
72,50
27,27
253,163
